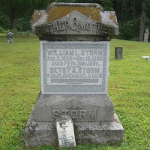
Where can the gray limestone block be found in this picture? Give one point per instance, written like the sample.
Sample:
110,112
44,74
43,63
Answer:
78,107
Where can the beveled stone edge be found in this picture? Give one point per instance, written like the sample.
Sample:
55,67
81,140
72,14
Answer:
98,6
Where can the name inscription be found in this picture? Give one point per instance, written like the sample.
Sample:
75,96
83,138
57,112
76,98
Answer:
76,114
77,66
76,26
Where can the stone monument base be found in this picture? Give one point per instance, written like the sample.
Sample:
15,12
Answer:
44,133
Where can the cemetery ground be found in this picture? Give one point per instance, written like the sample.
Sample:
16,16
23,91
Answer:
128,88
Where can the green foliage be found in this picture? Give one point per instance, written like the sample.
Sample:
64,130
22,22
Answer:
15,31
127,29
2,29
128,88
19,8
107,5
4,21
24,23
69,1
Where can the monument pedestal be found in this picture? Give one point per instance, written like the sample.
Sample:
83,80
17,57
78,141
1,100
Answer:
44,133
93,118
94,107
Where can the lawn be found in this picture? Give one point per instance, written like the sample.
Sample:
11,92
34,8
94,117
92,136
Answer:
128,87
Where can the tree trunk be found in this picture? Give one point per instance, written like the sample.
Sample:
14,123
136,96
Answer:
143,17
121,10
12,23
15,24
134,19
115,5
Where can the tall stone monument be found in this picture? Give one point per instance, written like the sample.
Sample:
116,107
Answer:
74,64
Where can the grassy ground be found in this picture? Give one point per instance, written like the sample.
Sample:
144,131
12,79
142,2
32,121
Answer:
128,87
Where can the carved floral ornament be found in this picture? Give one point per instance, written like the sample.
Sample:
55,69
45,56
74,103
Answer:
75,104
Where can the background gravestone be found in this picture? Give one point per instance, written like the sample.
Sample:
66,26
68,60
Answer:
118,52
21,31
28,32
146,34
74,63
9,37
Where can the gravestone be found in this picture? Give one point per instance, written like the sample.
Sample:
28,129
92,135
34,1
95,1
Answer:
21,33
28,32
9,37
65,131
147,57
74,62
118,52
146,34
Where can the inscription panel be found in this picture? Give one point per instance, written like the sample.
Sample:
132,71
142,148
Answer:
74,67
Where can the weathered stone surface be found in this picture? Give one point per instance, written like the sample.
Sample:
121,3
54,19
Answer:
37,15
40,133
65,131
74,67
118,52
75,19
74,74
79,107
148,58
10,37
44,133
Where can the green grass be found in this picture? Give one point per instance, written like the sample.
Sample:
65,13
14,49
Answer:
128,87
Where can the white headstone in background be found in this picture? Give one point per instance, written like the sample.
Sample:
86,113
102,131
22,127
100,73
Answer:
9,37
65,131
146,34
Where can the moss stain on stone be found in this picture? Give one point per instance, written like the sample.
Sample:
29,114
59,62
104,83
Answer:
36,16
58,12
113,17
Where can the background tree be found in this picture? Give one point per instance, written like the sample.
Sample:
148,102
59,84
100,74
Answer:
145,9
18,8
129,14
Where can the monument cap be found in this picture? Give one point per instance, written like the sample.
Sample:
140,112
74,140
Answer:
74,19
